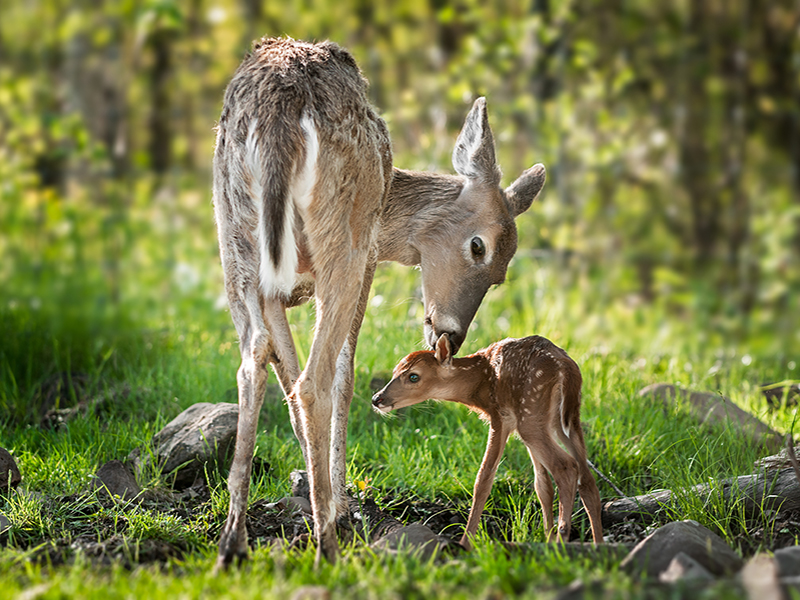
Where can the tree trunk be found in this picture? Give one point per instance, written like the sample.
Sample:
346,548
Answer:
160,145
694,156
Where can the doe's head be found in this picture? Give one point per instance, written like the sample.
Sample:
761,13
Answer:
465,245
419,376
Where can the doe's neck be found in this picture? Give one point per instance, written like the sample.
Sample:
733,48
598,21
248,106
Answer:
413,197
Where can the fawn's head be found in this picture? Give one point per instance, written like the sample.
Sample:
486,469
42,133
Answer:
465,245
419,376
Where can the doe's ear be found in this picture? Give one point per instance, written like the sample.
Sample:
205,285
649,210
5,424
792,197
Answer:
473,155
521,193
443,355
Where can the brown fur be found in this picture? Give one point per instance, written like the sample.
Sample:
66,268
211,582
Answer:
527,385
306,203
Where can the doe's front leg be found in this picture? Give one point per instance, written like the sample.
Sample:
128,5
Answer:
337,301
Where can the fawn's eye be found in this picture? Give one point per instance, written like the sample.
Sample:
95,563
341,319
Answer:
478,247
413,378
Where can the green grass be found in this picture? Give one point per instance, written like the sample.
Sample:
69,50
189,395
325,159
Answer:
163,344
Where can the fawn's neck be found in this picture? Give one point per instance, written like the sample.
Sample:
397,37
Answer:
475,380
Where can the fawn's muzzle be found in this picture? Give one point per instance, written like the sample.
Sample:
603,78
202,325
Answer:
379,402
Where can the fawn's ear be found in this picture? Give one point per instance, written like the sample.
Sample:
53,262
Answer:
443,354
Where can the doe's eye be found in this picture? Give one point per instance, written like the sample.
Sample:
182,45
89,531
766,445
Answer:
478,247
413,378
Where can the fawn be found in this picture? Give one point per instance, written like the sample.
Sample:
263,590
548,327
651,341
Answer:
526,385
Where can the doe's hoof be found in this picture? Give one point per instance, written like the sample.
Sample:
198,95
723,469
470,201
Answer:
328,548
224,560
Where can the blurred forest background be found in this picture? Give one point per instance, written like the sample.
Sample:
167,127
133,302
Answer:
670,130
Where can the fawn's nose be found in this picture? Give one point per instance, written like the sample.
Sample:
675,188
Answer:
377,400
380,404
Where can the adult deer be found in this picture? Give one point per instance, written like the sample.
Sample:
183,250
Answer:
527,385
307,202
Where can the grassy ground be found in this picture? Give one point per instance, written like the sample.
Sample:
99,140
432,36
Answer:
101,330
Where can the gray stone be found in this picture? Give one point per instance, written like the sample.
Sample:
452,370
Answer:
300,485
684,568
708,408
788,560
311,592
415,538
201,434
292,503
115,479
9,472
654,554
760,579
5,524
579,590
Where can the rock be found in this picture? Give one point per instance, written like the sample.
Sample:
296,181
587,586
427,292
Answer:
292,503
115,479
201,434
760,579
654,554
415,538
684,568
300,485
311,592
378,382
9,472
788,561
717,410
5,524
774,393
34,592
578,590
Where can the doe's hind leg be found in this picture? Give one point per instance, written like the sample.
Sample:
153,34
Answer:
255,348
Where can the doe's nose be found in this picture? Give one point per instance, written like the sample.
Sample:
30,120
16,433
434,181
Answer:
455,340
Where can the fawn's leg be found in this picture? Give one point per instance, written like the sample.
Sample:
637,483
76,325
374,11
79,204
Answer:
564,469
587,486
483,482
545,493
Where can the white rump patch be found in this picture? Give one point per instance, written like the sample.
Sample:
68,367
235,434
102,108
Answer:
281,281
